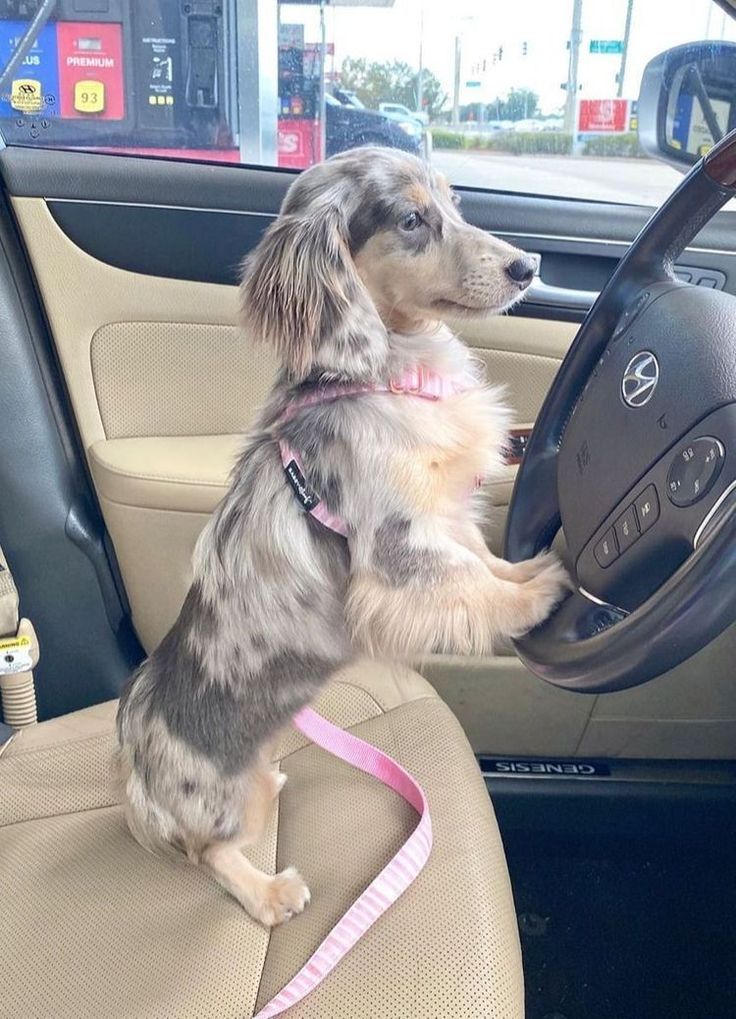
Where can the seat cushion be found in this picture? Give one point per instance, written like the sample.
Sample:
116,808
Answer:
93,926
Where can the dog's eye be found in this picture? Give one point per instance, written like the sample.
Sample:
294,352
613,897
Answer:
410,221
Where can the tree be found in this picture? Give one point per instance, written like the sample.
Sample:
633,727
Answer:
391,82
434,96
519,104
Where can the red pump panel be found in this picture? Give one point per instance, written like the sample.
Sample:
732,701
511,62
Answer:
91,82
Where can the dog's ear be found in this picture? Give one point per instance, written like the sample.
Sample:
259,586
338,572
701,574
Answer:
300,292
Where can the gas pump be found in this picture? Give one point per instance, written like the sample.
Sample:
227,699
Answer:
117,74
299,140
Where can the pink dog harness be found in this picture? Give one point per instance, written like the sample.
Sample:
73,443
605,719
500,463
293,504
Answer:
385,889
416,381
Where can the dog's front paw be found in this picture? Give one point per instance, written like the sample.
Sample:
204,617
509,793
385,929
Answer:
542,593
528,569
286,895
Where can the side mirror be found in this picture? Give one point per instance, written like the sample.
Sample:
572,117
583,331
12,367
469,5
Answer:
687,101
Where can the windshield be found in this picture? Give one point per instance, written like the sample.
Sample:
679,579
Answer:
537,97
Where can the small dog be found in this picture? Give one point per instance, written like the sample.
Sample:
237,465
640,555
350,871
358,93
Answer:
350,285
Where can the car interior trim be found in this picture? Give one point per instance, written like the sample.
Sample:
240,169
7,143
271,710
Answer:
526,235
712,512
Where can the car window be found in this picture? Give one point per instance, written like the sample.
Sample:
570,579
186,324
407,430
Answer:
531,97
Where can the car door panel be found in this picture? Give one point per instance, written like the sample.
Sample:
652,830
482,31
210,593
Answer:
163,382
193,375
50,528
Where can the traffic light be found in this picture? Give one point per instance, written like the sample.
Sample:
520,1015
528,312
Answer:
523,49
500,52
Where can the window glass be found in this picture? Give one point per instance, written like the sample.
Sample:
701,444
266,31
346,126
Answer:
534,96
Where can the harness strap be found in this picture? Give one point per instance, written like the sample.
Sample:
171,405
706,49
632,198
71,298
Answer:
306,496
415,381
386,888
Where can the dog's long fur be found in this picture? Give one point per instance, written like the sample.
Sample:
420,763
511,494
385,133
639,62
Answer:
346,285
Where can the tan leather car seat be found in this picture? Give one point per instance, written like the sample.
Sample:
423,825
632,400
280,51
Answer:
93,927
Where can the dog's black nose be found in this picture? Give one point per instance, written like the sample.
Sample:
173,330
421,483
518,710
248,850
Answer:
522,269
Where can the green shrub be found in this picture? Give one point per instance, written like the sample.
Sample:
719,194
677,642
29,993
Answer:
614,145
551,143
442,138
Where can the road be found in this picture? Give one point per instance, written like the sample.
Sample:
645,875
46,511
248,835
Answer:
631,181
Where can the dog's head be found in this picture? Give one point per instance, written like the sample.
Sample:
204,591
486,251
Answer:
366,242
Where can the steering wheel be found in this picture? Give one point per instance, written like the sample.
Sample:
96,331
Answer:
634,456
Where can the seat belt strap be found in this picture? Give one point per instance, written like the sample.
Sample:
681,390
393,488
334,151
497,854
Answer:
19,655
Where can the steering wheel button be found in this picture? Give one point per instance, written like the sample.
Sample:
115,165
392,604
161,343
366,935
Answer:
606,550
627,529
694,470
647,508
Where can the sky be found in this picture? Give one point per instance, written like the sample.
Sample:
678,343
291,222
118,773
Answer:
393,33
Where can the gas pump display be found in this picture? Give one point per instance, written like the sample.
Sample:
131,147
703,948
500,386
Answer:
37,76
90,57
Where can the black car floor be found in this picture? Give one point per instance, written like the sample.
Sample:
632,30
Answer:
617,928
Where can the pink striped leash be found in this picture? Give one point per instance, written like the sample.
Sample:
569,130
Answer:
385,889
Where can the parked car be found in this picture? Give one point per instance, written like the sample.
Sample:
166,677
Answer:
401,112
494,125
348,98
348,127
529,124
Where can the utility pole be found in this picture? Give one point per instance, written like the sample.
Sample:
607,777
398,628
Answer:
322,90
420,76
456,89
571,101
625,49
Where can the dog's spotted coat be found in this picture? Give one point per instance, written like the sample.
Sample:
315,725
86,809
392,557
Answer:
350,284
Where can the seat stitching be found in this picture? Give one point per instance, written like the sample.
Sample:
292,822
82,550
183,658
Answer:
63,813
354,726
270,932
15,751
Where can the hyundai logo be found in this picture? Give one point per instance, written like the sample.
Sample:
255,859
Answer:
640,379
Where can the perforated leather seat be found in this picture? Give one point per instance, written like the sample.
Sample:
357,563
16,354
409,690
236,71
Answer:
93,927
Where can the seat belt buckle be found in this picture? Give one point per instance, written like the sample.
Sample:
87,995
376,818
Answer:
19,654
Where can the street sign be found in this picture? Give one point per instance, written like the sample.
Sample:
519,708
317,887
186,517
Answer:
472,84
606,46
603,116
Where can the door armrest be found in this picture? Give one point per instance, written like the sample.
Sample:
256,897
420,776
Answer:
188,473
